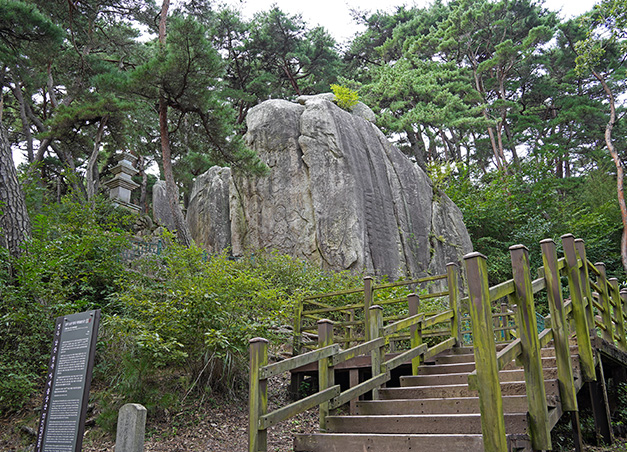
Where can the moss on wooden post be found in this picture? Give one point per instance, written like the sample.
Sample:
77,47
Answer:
452,272
505,333
298,315
326,374
415,331
490,400
618,313
584,277
368,295
538,418
623,302
258,395
604,300
559,326
376,355
586,358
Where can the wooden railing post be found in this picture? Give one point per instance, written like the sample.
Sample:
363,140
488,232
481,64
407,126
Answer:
326,373
368,295
604,300
505,333
258,395
452,272
586,358
490,400
349,317
538,418
376,355
298,315
584,277
620,320
415,331
623,300
559,326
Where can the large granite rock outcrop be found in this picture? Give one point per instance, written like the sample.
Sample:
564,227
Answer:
338,194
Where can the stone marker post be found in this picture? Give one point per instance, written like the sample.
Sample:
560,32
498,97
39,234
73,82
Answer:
131,428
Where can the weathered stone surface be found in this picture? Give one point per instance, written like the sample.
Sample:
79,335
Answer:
208,211
161,212
131,428
338,194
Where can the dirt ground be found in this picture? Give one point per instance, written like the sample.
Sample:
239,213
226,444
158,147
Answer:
214,424
217,424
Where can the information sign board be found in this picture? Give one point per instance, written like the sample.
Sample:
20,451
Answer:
66,393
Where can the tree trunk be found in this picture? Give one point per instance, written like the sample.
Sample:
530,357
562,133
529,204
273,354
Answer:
617,162
28,136
500,164
418,147
92,177
172,192
14,220
141,167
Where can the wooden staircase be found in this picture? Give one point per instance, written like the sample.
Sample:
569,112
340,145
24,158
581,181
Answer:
435,410
456,397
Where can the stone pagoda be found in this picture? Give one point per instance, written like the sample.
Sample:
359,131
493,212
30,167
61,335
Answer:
121,186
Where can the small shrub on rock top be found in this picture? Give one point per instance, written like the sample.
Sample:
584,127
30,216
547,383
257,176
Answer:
345,98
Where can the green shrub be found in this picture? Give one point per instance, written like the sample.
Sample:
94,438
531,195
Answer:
71,265
185,320
345,98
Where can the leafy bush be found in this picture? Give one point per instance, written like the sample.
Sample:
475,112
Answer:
185,320
345,97
71,265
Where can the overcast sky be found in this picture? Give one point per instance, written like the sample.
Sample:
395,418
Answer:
335,15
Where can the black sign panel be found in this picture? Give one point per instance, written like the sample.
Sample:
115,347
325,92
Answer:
66,393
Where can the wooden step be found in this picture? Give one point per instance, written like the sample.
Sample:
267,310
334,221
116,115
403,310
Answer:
356,442
420,423
458,405
439,369
454,358
445,391
547,362
462,378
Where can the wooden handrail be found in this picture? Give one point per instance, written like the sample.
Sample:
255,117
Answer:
329,354
402,324
577,311
298,361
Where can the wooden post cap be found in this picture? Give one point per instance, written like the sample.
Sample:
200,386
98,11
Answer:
474,255
566,236
258,339
321,321
542,242
376,306
518,247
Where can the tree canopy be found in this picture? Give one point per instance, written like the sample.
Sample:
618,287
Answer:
487,95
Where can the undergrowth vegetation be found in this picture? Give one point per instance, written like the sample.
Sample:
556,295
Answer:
174,324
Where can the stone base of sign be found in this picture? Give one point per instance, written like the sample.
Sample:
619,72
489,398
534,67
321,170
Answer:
131,428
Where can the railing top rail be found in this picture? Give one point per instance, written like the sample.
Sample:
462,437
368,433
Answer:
402,324
376,287
297,361
334,294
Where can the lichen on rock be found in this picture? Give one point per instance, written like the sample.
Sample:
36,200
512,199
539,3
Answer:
338,194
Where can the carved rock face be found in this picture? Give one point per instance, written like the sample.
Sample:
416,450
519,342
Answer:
338,194
161,211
